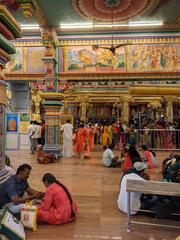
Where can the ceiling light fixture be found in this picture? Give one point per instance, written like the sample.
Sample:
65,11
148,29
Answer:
130,24
30,27
144,24
76,26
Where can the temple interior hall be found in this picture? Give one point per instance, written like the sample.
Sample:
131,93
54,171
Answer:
105,73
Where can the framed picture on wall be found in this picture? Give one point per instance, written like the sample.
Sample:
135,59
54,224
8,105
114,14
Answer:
12,124
24,122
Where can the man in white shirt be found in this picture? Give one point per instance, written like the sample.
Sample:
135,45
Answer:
109,160
136,173
33,135
67,130
30,133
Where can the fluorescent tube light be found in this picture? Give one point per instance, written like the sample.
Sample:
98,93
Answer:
30,27
76,25
144,24
130,24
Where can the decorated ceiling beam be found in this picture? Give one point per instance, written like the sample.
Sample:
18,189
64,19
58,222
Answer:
32,8
76,76
154,90
132,39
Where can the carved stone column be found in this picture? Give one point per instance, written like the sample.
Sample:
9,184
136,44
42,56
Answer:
52,104
3,172
125,108
155,105
84,104
52,99
169,109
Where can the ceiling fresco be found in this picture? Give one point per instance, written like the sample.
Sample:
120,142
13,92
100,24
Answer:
101,10
59,12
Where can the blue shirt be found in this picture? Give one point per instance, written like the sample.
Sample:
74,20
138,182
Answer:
13,187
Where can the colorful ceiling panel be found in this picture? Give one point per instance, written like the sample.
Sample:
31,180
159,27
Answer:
102,10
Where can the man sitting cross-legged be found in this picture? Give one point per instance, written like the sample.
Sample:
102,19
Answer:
13,190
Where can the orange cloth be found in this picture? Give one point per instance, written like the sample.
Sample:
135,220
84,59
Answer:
44,158
56,207
127,162
148,157
82,141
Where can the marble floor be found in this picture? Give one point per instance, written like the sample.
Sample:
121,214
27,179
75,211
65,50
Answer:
95,189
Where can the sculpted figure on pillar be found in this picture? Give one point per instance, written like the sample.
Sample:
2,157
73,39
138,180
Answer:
84,105
125,102
169,110
36,98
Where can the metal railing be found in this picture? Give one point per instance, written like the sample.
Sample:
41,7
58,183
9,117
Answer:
157,139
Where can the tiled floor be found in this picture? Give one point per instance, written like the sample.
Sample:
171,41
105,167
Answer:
95,190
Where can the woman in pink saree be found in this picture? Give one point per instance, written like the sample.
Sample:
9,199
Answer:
58,206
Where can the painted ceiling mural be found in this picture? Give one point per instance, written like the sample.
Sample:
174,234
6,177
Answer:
101,10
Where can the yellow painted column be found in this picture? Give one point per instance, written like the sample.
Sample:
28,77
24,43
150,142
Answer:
169,109
84,105
125,108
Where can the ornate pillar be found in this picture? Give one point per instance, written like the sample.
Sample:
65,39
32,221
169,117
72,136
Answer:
84,104
36,99
3,172
155,105
10,29
52,104
52,99
169,109
125,108
65,106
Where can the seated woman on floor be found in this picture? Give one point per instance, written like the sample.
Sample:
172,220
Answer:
131,156
43,157
58,206
149,157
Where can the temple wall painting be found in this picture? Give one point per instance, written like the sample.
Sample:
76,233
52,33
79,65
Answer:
91,57
26,60
156,57
127,58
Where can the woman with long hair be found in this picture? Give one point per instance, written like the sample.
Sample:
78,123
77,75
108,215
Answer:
149,157
131,156
58,206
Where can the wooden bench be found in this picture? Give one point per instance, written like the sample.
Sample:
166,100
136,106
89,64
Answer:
150,187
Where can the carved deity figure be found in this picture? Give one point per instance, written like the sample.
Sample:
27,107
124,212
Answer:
36,98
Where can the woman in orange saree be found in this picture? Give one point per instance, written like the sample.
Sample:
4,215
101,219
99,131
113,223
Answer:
82,142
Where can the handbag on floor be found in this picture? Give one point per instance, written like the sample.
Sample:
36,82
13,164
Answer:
12,227
29,216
